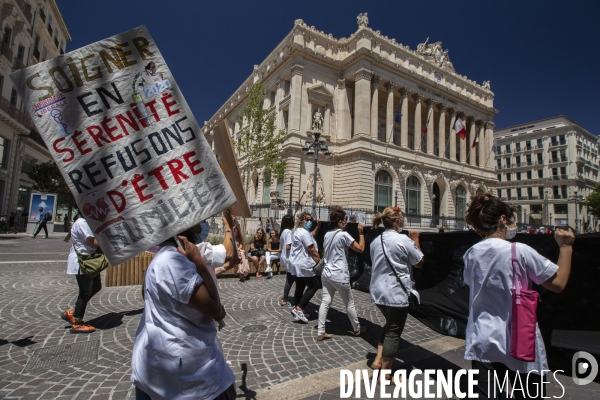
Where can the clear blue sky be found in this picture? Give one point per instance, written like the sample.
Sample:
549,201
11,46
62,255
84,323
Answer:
542,57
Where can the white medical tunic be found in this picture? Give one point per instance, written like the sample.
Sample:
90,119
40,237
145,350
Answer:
335,245
489,275
403,253
284,239
300,258
175,354
80,232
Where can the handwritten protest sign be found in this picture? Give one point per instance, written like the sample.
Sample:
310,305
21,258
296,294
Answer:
125,141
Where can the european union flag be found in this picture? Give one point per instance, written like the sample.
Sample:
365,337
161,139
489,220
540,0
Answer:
398,116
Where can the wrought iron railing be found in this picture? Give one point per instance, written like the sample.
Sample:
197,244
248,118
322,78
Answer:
6,51
15,113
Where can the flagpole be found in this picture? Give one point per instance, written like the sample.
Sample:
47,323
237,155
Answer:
449,136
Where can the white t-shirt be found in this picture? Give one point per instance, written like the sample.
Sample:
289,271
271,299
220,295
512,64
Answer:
175,353
336,259
80,231
489,274
284,239
300,258
403,253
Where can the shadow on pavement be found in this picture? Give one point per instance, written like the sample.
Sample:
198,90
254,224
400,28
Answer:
112,319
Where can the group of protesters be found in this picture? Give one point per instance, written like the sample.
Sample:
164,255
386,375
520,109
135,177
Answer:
177,353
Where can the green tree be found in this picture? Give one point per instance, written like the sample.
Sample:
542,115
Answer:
259,141
47,178
592,202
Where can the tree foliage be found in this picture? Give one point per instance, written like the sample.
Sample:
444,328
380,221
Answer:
259,141
592,202
47,178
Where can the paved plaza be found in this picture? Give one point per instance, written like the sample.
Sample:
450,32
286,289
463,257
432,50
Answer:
271,356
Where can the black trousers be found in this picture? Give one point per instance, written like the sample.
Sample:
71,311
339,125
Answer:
39,228
311,284
88,287
395,319
532,387
289,281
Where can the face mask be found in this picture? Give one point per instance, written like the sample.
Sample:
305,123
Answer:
308,225
201,237
510,232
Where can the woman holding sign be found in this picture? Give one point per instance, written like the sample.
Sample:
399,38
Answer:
176,354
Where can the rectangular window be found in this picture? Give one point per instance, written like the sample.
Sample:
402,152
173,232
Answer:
508,163
7,35
285,119
499,177
518,146
1,83
519,160
541,192
44,54
540,158
528,144
530,192
500,193
563,139
556,192
563,171
21,53
508,177
529,159
518,176
540,173
508,148
540,144
563,155
563,191
286,87
529,175
3,152
554,171
381,132
499,163
561,209
13,97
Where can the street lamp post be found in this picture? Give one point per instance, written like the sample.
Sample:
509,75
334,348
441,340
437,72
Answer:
310,148
396,199
574,199
290,211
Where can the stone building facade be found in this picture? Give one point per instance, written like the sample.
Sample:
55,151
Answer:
542,165
358,85
32,31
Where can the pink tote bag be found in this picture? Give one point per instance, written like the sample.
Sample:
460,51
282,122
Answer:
524,314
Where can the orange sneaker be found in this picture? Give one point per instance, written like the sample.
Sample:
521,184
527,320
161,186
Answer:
68,316
82,328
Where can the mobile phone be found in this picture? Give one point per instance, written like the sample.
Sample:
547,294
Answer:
179,244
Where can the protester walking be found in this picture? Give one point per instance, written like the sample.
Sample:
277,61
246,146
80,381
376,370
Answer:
285,243
273,251
176,352
336,276
257,250
44,218
392,256
304,255
493,279
84,243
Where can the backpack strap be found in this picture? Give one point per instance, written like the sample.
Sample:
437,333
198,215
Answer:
517,279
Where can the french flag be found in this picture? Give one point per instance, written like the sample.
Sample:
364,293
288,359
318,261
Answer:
460,129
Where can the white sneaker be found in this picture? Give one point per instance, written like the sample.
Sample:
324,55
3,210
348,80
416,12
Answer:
300,316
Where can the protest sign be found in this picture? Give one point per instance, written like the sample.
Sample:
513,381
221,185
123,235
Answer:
125,141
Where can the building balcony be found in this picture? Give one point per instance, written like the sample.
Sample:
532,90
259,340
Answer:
25,9
523,197
6,51
561,143
558,160
42,15
15,113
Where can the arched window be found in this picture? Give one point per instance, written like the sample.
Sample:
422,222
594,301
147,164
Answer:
461,201
266,198
383,190
413,195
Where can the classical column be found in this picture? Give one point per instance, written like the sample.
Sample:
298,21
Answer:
453,114
430,129
404,92
295,98
326,119
374,106
481,159
417,130
463,150
362,102
489,144
476,125
278,97
344,118
389,112
442,129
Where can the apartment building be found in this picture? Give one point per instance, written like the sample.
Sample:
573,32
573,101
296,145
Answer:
546,168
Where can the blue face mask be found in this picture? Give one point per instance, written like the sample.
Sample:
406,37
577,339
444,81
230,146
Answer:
201,237
308,225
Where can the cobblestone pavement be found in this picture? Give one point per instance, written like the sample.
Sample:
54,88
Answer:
39,358
34,293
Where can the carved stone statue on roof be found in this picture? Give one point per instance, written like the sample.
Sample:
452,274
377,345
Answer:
486,85
362,20
434,53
